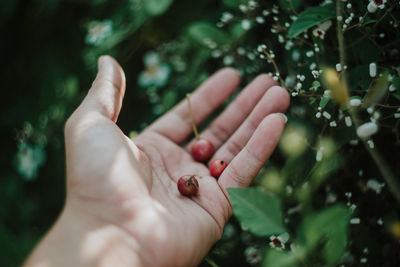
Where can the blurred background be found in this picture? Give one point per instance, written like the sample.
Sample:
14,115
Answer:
49,51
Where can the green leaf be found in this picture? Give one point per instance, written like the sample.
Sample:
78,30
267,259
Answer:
311,17
324,101
328,227
377,92
396,83
169,99
256,210
275,258
232,3
316,85
202,31
290,5
156,7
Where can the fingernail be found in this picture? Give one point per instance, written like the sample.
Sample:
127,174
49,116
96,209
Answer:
102,63
283,116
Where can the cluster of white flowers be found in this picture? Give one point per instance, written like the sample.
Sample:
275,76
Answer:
98,31
373,5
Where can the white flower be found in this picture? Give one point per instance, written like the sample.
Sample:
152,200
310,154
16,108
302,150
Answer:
246,24
29,159
374,185
253,255
156,73
355,221
98,31
367,129
277,242
372,7
322,28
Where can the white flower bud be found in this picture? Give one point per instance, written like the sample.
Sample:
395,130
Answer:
367,129
372,70
355,102
372,7
348,121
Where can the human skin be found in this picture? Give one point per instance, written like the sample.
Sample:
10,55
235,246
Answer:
122,204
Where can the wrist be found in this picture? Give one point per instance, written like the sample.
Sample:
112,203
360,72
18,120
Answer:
78,239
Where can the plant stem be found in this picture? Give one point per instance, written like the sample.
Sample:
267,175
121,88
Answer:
340,37
196,133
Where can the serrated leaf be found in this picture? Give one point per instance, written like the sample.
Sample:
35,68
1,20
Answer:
311,17
257,211
377,91
156,7
328,226
275,258
201,31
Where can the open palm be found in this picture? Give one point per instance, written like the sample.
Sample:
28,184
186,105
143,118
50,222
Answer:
131,184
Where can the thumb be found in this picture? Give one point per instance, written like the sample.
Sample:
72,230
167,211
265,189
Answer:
107,91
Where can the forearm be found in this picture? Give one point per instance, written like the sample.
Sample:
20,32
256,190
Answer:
76,240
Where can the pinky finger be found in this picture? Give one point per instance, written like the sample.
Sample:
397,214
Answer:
248,162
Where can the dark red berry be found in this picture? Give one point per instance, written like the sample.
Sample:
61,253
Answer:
188,185
202,150
217,167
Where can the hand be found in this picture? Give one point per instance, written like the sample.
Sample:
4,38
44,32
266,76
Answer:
122,199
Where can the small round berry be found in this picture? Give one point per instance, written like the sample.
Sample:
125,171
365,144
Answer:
217,167
188,185
202,150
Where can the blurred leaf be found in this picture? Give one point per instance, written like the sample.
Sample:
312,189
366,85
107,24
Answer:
232,3
358,77
324,168
338,88
169,99
311,17
377,92
290,5
275,258
237,31
368,21
328,226
324,101
156,7
258,211
396,96
396,82
203,31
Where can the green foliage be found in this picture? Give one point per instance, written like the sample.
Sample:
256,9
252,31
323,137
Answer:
311,17
203,31
377,91
156,7
275,258
321,170
257,211
327,228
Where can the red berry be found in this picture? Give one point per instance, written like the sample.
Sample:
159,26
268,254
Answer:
217,167
188,185
202,150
